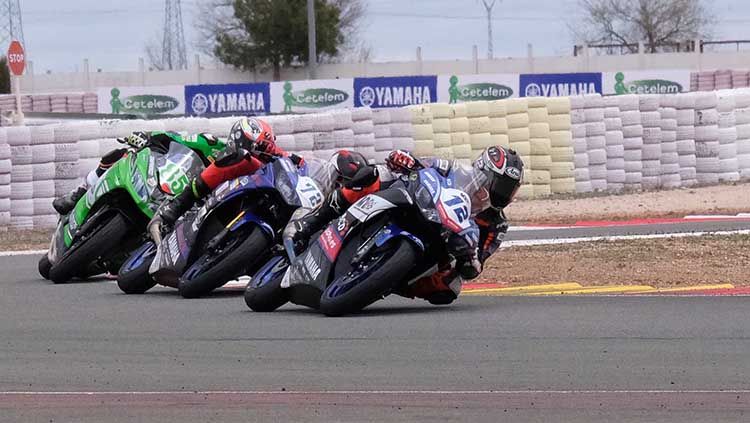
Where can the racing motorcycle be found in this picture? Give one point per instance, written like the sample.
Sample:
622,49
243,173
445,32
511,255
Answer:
109,221
232,233
384,242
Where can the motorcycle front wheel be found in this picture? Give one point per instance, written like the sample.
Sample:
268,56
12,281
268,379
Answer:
238,253
133,277
369,280
264,293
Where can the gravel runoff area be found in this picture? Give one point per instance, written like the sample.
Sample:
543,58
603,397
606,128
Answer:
662,263
721,199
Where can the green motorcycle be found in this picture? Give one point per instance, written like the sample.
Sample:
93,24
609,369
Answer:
110,220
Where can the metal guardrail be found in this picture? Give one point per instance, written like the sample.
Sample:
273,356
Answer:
632,48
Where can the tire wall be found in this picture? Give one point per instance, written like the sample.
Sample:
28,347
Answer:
577,144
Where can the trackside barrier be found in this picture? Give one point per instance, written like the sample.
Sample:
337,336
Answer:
576,144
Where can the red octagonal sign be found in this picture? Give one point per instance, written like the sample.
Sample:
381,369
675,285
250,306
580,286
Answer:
16,58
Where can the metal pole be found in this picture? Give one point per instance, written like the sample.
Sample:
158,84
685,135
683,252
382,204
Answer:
311,39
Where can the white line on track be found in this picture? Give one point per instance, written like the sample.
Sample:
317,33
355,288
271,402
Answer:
553,241
375,392
22,253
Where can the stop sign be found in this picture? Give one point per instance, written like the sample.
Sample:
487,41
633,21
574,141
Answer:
16,58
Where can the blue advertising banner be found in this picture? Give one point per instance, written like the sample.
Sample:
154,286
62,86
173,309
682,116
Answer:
560,84
246,99
394,91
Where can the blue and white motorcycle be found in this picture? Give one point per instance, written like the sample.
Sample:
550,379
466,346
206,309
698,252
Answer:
383,242
231,234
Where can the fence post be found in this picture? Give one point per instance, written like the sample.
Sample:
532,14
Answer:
86,75
419,60
142,70
198,68
530,56
475,58
641,55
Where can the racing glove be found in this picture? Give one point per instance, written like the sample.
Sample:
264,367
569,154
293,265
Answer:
137,140
401,161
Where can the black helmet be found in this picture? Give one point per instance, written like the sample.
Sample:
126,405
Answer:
504,170
353,170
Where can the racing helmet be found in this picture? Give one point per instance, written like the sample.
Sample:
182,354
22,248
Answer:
503,168
353,170
253,135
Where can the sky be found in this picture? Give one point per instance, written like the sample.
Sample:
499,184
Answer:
112,34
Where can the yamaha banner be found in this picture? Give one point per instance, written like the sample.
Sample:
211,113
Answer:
560,84
226,99
394,91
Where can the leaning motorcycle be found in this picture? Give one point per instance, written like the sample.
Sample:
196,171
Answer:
109,221
230,235
381,244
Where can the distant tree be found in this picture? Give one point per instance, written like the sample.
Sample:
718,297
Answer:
655,22
251,34
4,76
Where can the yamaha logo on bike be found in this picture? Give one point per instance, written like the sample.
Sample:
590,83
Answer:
513,172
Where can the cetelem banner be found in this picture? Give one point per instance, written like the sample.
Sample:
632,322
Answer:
241,99
159,100
560,84
463,88
667,81
396,91
311,96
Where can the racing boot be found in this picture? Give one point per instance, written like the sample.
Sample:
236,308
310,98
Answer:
67,202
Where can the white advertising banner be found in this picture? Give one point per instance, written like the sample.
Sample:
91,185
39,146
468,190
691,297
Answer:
463,88
158,100
311,96
657,81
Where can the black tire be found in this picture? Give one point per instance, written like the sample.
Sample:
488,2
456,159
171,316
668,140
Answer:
101,242
389,266
216,270
268,297
133,277
44,266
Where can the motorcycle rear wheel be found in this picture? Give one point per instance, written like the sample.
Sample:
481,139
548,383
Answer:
368,281
236,257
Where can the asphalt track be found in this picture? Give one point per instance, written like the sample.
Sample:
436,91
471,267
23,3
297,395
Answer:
87,353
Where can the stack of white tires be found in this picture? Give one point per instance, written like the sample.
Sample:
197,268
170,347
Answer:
381,120
596,143
742,117
615,146
5,175
58,103
74,103
670,158
541,146
402,132
421,120
686,138
519,136
561,143
578,133
323,143
304,139
460,148
651,153
728,166
632,133
441,129
40,103
480,126
90,103
22,186
43,175
67,173
706,138
362,130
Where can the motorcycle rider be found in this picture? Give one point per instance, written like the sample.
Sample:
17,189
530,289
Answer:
157,140
252,144
497,174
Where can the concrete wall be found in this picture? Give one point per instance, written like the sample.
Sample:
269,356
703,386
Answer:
87,81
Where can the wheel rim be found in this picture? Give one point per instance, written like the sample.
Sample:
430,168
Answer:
346,282
209,259
270,271
146,251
